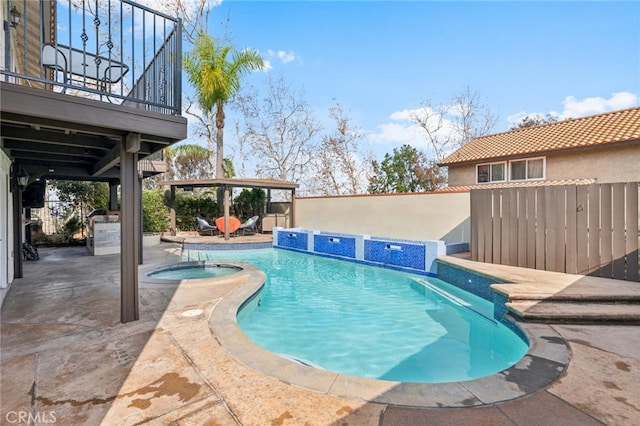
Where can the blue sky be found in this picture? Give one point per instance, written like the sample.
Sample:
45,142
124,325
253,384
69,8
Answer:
380,59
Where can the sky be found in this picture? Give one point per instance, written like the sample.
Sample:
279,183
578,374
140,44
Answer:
383,59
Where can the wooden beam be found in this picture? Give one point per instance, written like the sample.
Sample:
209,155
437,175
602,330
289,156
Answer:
108,161
58,138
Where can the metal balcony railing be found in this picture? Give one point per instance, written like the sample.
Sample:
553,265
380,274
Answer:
116,51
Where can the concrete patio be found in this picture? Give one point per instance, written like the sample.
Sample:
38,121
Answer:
67,359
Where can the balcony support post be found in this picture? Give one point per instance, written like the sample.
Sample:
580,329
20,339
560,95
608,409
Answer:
129,229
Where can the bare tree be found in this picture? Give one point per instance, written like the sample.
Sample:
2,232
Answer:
193,13
279,129
341,170
448,127
534,120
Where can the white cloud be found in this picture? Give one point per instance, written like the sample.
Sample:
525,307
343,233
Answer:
403,130
266,65
588,106
285,57
574,108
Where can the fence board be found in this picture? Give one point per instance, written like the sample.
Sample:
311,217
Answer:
475,218
594,229
531,228
618,236
497,226
606,269
512,194
633,237
550,250
481,236
521,255
541,226
560,215
571,236
506,226
582,237
488,226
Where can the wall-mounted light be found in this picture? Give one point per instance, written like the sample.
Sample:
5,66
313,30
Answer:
14,17
22,178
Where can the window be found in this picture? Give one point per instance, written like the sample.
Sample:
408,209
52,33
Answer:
494,172
531,169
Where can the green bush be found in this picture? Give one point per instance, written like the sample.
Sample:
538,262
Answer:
188,206
155,214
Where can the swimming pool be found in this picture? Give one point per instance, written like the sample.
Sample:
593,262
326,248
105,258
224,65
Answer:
371,322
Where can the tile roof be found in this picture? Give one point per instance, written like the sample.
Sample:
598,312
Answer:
611,127
523,184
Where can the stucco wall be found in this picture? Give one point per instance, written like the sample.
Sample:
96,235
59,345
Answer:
405,216
618,164
605,165
6,227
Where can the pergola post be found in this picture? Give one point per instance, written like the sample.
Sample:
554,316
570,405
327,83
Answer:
172,210
226,212
129,228
292,210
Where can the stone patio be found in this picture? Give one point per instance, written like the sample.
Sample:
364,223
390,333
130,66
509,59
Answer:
67,359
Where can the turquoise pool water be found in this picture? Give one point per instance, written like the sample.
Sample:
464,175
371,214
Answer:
188,272
371,322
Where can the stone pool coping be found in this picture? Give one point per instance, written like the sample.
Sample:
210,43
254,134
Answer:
544,363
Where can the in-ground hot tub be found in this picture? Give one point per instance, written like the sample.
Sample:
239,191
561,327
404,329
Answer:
194,271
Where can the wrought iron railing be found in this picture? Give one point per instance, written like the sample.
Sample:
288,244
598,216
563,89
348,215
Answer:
116,51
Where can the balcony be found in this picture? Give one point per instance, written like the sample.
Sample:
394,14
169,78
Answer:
78,76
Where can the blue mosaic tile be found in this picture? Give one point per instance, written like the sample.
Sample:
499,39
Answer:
395,252
472,282
499,305
293,239
457,248
334,244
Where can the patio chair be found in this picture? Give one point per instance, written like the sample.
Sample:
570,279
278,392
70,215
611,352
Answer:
204,227
250,225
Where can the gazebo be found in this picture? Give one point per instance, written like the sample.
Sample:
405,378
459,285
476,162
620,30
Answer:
227,184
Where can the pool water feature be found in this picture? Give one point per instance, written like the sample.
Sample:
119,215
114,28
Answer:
371,322
194,270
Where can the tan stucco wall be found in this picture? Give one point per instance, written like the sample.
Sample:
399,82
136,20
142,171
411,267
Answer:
618,164
405,216
605,165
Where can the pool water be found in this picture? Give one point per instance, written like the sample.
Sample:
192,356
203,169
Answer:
371,322
188,272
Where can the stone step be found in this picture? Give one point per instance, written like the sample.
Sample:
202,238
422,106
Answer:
574,312
612,291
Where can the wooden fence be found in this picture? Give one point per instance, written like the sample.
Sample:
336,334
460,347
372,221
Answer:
583,229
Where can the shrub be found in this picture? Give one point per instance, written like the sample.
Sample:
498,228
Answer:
155,214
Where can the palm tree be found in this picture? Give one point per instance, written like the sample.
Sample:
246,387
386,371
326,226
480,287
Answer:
216,79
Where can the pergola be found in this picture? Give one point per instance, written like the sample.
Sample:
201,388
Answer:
227,184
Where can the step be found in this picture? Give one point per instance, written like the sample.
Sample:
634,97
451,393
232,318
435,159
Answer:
581,312
611,292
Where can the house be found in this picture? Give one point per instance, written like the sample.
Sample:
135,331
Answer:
602,148
89,92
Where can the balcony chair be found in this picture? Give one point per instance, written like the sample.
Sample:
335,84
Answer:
70,61
204,227
250,225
